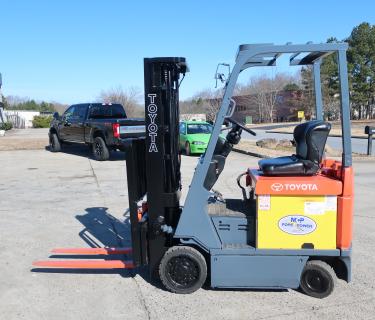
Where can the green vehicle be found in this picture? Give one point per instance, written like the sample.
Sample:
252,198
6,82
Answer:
194,136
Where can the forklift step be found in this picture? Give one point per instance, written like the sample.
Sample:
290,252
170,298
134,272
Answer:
92,251
85,264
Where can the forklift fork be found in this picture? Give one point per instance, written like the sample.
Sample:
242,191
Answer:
88,264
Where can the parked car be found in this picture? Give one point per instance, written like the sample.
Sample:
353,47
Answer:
194,136
103,127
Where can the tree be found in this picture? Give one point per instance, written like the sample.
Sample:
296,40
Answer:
5,102
210,101
307,84
128,98
292,87
264,91
361,58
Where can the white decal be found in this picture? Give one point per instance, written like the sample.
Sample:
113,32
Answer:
297,225
331,203
314,207
277,187
264,202
152,127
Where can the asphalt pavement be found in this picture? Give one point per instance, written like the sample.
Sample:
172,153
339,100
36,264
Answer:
65,199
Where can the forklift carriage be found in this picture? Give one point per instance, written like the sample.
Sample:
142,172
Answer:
291,228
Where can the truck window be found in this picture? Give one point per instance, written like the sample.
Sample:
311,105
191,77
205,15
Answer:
68,114
99,111
80,112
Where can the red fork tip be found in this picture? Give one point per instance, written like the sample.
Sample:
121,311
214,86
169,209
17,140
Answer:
85,264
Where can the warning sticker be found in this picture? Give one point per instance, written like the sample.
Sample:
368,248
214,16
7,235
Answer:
315,207
331,203
264,202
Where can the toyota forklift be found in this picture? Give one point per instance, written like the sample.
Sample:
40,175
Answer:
289,227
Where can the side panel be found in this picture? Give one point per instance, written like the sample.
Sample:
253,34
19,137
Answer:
345,222
241,271
292,222
345,211
235,230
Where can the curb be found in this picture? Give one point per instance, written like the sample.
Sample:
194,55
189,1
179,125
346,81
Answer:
330,135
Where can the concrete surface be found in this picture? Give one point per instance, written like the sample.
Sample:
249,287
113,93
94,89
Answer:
24,139
54,200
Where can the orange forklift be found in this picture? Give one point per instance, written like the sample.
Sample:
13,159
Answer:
291,225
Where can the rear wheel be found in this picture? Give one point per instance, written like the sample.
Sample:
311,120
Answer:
317,279
183,270
100,149
187,149
54,143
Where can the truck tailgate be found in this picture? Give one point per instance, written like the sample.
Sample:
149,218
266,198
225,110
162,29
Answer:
131,128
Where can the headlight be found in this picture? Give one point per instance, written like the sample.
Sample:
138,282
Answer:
198,142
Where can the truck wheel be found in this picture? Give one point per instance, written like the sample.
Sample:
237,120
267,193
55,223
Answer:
183,270
100,149
187,149
54,143
317,279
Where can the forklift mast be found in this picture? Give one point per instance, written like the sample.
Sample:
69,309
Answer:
153,164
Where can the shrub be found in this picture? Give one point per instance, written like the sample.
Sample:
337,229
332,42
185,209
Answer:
42,121
6,126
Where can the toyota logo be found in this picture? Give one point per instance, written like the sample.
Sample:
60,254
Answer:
277,187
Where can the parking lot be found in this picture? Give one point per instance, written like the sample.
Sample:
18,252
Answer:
50,200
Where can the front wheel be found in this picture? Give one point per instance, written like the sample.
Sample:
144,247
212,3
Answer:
54,143
317,279
100,149
183,270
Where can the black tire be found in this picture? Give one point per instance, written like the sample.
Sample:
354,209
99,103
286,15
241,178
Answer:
183,270
187,149
54,143
318,279
100,149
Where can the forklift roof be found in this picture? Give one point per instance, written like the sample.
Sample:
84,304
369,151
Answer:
266,54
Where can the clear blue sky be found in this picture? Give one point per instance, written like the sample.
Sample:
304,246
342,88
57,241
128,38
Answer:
68,51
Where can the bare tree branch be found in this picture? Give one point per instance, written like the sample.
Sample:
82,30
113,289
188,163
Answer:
129,98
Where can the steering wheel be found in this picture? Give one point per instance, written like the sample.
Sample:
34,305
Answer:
241,126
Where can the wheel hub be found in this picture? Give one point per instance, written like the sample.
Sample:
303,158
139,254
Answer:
183,271
316,282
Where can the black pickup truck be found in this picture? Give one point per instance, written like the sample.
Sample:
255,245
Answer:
102,126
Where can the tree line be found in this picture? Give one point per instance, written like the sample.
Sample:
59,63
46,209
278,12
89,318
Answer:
18,103
129,98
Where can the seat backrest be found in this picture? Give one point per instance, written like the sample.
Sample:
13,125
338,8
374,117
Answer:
311,138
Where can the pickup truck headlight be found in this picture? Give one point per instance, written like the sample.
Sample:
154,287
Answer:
198,142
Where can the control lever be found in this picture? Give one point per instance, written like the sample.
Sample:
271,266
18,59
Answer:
241,126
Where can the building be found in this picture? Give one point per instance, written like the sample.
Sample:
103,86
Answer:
21,118
250,109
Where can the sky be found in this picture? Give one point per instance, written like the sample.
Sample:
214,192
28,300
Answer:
69,51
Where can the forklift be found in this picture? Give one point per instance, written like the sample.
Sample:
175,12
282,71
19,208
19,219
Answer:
291,225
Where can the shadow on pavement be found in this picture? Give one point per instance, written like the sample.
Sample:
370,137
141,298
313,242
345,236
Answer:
101,229
84,151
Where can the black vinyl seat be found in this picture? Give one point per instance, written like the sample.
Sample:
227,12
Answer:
310,138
